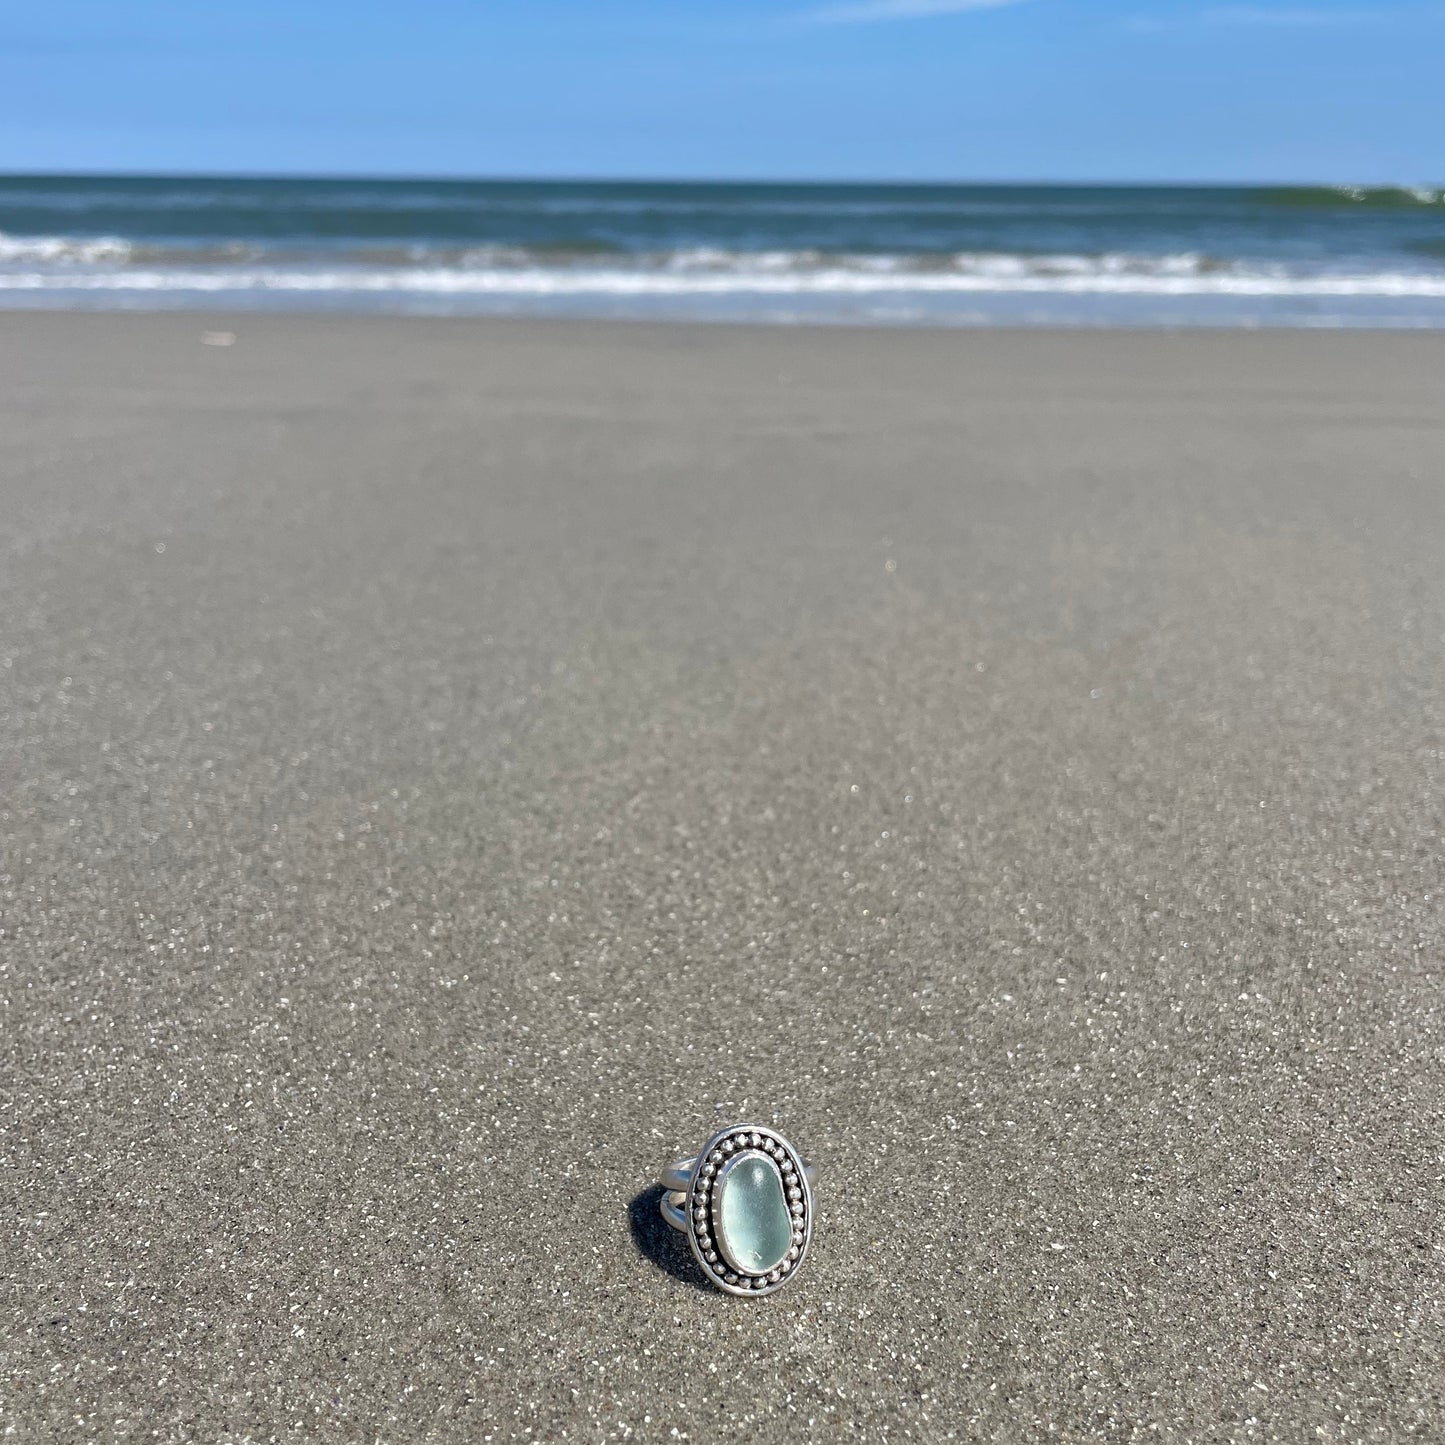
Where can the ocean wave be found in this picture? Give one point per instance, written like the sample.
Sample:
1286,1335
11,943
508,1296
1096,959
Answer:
588,255
363,198
465,199
1392,198
86,251
1010,276
119,250
564,266
120,264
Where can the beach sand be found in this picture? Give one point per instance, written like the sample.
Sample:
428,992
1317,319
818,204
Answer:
448,767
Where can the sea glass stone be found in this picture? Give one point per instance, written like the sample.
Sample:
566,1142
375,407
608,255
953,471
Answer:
750,1214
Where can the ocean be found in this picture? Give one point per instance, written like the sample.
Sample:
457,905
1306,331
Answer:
920,254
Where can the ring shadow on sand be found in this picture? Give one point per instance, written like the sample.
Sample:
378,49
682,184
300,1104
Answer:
659,1242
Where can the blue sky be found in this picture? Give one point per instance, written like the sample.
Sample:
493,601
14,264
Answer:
877,89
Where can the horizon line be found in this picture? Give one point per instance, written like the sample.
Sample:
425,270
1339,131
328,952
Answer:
455,178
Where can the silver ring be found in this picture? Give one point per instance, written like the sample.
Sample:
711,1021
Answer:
745,1202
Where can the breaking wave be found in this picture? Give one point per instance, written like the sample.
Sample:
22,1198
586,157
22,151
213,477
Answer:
62,264
1391,198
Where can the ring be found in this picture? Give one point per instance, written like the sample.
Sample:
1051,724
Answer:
745,1203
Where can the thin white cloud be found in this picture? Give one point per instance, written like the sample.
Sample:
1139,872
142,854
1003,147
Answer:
1265,15
867,11
1283,17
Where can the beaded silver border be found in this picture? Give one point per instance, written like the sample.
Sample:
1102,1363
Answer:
718,1150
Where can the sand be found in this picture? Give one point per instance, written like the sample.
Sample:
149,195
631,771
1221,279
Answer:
449,767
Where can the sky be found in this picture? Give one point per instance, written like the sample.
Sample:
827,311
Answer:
1068,90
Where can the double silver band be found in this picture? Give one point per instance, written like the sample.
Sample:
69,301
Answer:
677,1179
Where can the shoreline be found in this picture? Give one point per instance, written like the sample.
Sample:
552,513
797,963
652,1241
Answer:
761,328
990,311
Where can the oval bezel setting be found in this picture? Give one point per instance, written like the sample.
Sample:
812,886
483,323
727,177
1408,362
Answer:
721,1151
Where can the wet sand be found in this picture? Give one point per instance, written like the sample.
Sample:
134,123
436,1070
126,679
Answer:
448,767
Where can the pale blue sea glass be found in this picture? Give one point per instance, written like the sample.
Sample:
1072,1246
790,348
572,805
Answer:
754,1227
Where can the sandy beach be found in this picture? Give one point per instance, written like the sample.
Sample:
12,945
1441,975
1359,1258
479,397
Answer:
447,767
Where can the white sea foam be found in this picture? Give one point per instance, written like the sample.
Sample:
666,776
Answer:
1014,276
53,249
65,264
